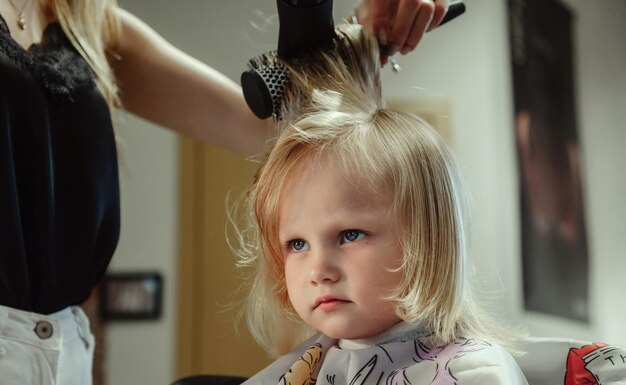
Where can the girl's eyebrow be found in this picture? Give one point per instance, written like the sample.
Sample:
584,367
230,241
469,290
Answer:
288,235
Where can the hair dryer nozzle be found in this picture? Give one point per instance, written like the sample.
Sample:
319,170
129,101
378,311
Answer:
304,25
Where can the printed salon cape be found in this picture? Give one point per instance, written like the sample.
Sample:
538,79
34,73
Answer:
406,360
409,359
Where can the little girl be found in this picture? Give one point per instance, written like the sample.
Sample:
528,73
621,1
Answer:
357,238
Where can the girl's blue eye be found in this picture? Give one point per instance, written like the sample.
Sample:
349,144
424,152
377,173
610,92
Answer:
299,245
352,236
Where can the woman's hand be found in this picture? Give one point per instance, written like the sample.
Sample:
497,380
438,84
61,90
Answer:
400,24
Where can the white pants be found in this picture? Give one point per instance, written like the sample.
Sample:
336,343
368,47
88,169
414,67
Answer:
36,349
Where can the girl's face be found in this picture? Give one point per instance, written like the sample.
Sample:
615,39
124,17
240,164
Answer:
339,242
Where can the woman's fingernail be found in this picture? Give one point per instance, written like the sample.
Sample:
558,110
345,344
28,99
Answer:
406,49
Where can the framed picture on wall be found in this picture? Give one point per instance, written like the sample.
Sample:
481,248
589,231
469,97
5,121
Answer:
131,296
555,256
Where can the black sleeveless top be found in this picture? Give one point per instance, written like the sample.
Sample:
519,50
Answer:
59,190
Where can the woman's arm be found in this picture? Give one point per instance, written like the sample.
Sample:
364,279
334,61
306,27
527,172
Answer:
164,85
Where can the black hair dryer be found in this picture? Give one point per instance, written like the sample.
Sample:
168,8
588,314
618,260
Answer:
305,25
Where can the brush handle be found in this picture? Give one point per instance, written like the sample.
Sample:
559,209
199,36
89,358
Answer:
454,10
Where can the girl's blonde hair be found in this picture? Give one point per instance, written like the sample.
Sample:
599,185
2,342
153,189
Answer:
334,105
92,25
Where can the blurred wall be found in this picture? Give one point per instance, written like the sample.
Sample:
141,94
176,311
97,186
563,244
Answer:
464,64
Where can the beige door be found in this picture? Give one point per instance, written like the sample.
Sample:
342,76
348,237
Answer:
209,342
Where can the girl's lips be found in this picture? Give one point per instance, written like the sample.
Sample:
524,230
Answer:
329,304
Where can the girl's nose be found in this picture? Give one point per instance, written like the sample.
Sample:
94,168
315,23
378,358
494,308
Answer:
323,268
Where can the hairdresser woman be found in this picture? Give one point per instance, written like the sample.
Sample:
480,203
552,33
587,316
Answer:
59,195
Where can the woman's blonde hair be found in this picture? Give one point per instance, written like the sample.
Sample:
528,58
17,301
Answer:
334,106
91,25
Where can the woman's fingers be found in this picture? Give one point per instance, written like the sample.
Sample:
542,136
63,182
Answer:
413,19
400,25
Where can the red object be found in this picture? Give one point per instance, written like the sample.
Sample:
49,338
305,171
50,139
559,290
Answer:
577,372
